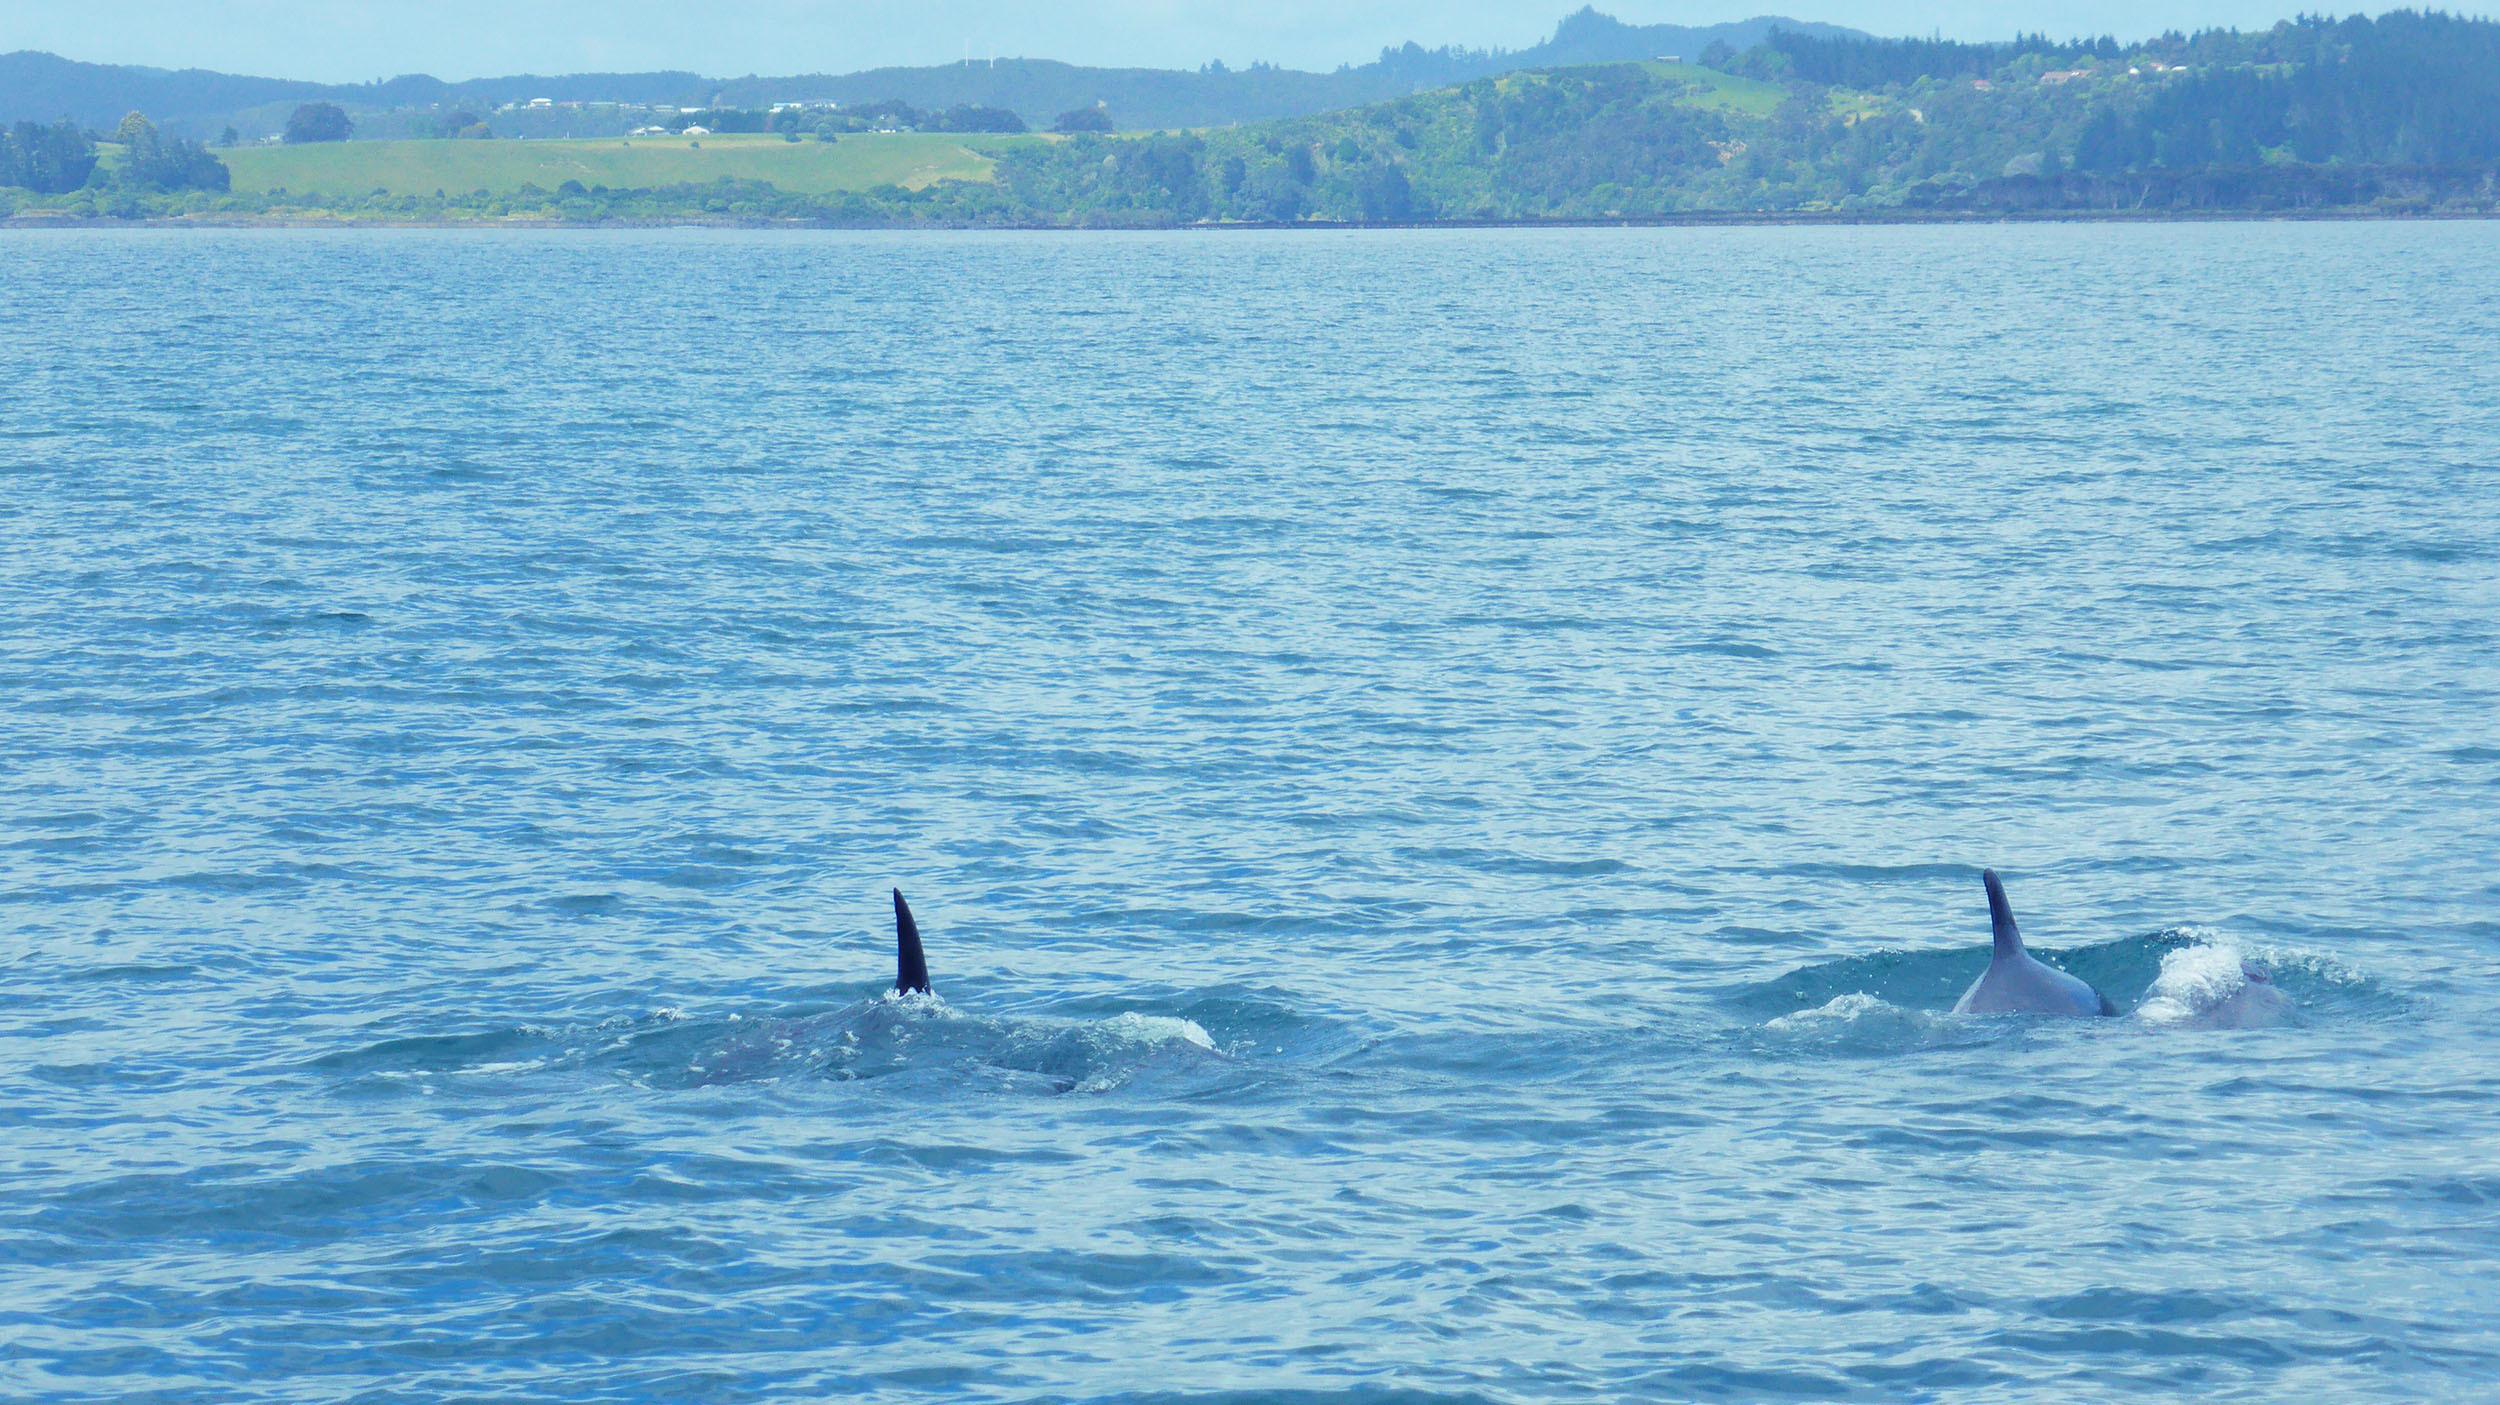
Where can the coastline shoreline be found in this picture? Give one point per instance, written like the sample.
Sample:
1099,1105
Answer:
1688,220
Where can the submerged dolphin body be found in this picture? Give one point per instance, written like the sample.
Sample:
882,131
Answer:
2016,983
1072,1054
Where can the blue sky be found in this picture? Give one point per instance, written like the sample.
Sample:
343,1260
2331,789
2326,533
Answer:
347,40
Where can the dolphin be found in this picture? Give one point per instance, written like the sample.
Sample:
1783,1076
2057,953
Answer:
911,969
894,1031
2016,982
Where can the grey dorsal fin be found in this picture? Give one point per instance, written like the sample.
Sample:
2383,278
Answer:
2009,940
911,969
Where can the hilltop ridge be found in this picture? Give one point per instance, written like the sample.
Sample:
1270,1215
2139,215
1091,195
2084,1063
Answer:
198,103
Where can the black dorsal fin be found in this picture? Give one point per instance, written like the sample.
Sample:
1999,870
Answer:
911,969
2009,940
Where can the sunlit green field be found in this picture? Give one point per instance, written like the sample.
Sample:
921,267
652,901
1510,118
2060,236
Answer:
1722,90
1709,87
909,159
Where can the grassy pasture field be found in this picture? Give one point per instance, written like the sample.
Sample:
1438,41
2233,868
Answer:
912,160
1709,88
1726,91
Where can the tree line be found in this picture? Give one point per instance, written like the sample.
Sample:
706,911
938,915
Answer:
46,160
2403,90
63,157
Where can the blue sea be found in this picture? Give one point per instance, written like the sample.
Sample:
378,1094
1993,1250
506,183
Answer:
1444,776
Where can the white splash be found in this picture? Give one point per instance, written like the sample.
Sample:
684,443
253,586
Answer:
1156,1029
1840,1009
1860,1020
2213,985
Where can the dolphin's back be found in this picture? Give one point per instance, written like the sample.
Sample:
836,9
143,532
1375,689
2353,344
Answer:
2016,982
2023,985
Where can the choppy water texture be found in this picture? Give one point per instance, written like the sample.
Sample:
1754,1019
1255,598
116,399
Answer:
1445,775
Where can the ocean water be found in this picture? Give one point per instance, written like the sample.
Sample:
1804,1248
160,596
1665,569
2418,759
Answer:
1445,776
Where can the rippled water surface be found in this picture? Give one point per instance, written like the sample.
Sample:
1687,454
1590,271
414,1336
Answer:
1445,777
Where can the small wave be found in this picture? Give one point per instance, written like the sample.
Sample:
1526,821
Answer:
1523,864
1726,649
434,1053
1854,1016
1848,1009
137,971
1338,1396
1865,1024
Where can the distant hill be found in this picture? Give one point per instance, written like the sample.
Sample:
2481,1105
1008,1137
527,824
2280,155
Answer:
1037,89
42,87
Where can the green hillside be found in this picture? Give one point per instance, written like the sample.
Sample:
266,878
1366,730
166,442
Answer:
336,170
2397,114
2400,114
1708,87
1589,142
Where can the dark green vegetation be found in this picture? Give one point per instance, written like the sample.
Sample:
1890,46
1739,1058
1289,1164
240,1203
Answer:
129,177
318,121
2400,114
153,162
42,87
46,160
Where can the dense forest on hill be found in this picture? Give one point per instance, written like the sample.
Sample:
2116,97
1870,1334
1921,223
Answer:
2395,114
2402,110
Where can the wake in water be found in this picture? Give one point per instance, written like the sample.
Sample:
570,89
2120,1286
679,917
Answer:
2177,978
908,1030
919,1037
922,1035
